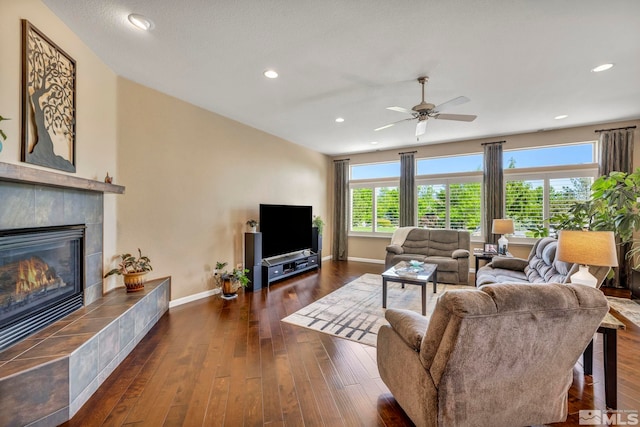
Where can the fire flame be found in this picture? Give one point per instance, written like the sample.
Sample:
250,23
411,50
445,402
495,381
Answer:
33,274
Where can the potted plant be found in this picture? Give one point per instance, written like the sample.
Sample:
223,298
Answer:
318,223
230,282
133,269
252,223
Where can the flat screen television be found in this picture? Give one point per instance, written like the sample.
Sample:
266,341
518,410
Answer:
285,229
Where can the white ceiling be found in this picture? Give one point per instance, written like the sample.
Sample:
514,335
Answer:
521,62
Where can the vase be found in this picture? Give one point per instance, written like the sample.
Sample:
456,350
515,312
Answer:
134,282
228,289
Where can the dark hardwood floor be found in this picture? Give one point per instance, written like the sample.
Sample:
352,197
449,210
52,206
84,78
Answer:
233,363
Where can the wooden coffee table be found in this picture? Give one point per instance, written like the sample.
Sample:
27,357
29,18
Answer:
404,272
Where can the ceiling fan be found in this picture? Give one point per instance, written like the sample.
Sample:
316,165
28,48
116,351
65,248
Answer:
425,110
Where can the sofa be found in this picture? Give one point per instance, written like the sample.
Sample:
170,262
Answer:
541,266
449,249
500,355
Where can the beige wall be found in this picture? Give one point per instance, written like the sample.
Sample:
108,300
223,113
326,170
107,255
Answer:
373,248
95,98
194,178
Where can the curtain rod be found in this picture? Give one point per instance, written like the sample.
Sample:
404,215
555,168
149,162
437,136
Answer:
409,152
496,142
606,130
340,160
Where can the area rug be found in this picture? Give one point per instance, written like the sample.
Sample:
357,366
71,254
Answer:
355,312
626,307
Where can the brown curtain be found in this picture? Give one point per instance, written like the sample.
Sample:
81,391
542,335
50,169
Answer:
616,155
340,209
407,189
493,186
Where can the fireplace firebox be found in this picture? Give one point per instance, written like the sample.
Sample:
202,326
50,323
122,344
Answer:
41,278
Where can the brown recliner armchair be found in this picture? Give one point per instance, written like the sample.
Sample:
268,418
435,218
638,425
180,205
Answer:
501,355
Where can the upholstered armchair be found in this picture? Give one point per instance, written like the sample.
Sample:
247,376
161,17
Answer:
501,355
448,249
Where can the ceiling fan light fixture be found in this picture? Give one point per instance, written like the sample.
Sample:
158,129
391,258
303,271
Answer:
421,128
271,74
139,21
603,67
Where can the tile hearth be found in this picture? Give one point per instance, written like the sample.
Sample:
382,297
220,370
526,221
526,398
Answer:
47,377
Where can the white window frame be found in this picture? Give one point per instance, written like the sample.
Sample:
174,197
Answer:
545,174
447,180
372,184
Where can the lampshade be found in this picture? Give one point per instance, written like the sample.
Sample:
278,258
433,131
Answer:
587,248
502,226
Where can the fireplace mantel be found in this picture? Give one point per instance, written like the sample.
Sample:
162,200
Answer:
18,173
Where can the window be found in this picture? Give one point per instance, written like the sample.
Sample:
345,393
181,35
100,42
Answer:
524,203
558,155
375,171
386,205
539,183
450,204
529,202
374,189
450,192
542,182
454,164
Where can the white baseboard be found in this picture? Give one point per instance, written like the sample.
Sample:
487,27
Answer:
194,297
369,260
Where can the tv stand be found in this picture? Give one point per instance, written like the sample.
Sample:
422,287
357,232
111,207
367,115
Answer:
283,266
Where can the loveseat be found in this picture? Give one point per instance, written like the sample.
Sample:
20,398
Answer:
501,355
449,249
540,267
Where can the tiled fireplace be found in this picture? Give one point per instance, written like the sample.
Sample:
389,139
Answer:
40,278
47,376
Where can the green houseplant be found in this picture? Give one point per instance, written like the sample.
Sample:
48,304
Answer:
613,206
230,282
133,269
318,223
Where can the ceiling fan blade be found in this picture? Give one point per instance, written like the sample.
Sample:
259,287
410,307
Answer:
384,127
401,110
458,117
451,103
421,127
392,124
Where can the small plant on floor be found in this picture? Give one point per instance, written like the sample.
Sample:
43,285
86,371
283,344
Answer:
230,282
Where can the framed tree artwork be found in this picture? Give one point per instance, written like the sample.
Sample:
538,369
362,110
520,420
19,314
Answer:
48,102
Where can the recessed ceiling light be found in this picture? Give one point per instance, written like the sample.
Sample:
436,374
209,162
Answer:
603,67
339,120
271,74
374,142
561,116
140,21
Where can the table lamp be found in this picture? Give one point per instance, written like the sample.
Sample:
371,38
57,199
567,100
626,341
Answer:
587,248
502,226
